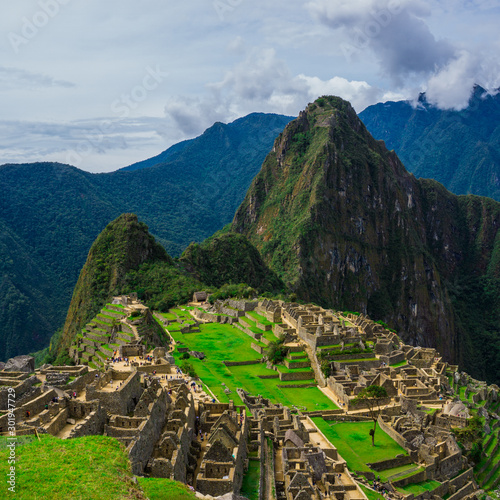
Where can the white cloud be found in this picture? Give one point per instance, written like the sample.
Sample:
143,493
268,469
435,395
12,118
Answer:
89,54
262,81
398,33
15,78
394,30
451,86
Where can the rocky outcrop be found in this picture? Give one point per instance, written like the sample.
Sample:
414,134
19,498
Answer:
24,364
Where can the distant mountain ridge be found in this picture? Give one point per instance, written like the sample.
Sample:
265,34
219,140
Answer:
50,214
460,149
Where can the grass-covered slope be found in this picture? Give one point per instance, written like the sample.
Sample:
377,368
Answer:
89,468
230,258
165,489
342,222
460,149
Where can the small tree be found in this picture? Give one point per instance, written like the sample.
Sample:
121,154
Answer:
276,351
372,396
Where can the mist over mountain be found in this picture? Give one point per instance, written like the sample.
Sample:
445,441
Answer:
460,149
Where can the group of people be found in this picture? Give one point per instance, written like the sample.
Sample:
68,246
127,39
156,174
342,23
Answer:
377,486
118,359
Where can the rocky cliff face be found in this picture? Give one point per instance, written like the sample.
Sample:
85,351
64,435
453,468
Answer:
338,217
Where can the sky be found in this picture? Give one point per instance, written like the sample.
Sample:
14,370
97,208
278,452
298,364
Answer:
103,84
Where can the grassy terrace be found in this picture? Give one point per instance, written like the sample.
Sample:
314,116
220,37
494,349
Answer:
354,443
250,324
227,343
419,488
258,318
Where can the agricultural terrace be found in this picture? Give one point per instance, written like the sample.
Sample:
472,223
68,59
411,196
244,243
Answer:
221,342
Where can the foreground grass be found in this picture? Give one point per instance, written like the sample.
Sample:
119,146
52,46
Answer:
353,442
89,468
165,489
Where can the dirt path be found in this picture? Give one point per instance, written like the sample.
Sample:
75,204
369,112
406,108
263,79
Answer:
330,395
66,430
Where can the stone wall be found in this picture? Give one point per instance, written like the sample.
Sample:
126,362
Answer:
164,368
363,365
388,429
20,389
297,364
468,489
296,375
243,305
460,481
121,401
231,312
258,348
392,463
93,425
58,422
242,363
140,449
79,384
450,466
34,406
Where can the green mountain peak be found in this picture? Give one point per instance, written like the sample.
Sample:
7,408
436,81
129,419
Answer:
342,222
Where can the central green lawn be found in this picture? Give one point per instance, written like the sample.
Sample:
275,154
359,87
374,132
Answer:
354,443
218,342
227,343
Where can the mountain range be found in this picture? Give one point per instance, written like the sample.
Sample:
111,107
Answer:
332,217
50,214
460,149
